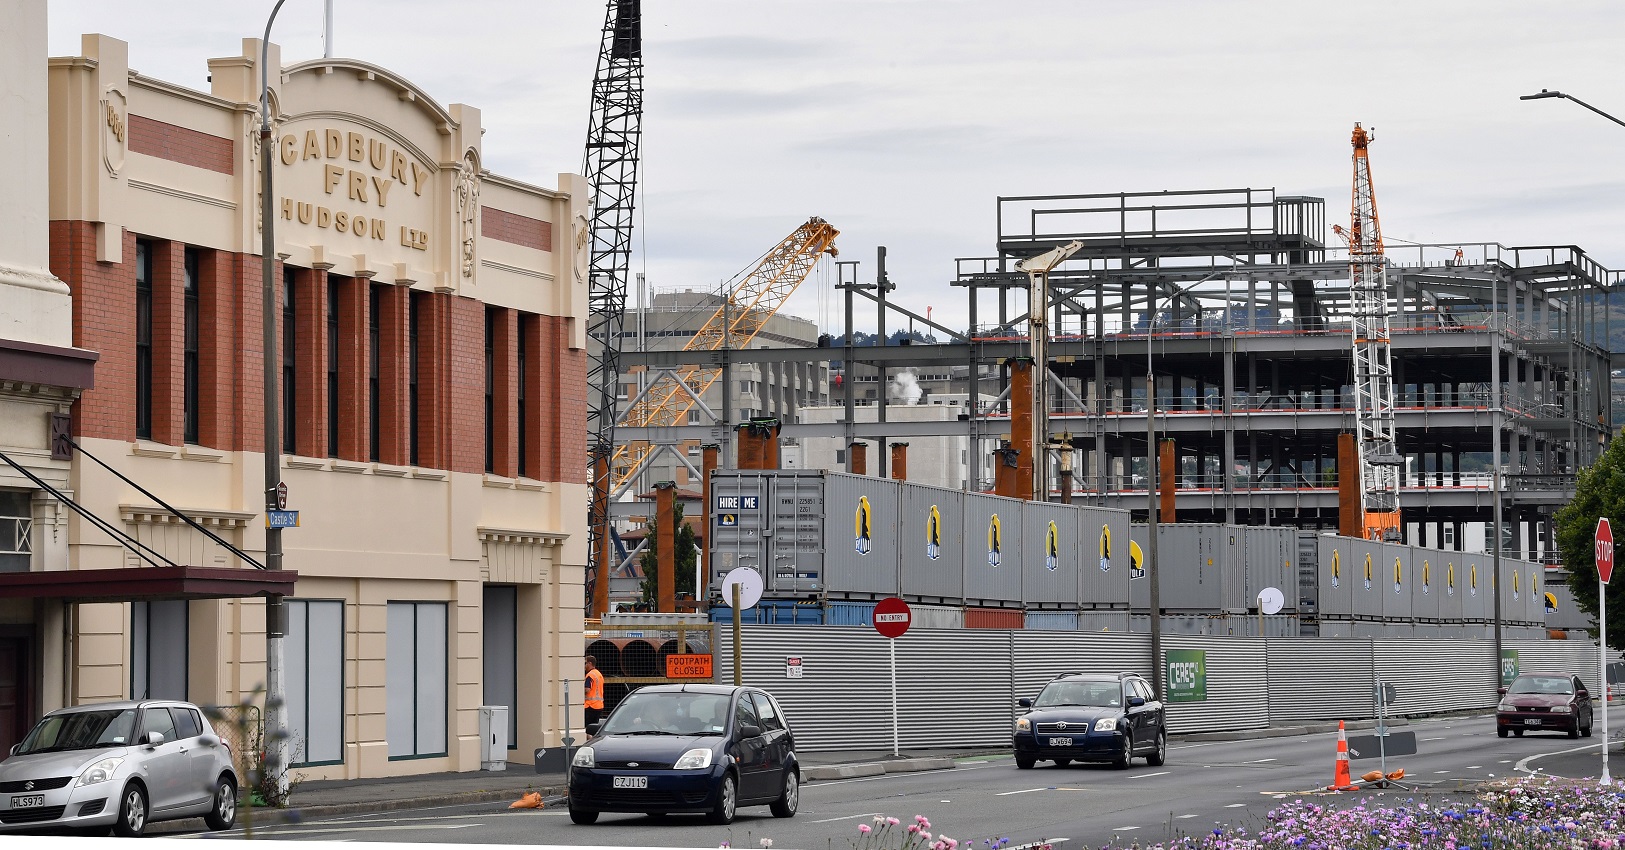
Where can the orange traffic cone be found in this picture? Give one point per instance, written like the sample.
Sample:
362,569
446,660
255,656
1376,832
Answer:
1341,780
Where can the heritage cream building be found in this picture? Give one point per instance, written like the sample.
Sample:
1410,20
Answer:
433,369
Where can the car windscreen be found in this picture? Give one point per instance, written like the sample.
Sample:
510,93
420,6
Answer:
80,730
1097,694
1542,685
668,713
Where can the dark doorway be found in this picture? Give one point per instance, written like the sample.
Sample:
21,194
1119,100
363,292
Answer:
16,690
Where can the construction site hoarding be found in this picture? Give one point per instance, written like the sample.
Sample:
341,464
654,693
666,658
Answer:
1052,565
861,530
1103,541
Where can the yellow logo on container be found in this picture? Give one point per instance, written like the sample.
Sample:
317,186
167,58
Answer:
1397,576
995,541
1426,577
933,534
1136,561
1368,571
1105,548
1052,548
863,525
1337,567
1450,579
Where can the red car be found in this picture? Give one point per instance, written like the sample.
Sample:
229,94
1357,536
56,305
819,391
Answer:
1544,703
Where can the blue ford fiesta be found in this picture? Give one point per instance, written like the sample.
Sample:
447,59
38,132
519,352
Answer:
688,748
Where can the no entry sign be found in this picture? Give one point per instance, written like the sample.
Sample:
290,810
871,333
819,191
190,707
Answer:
892,617
1605,552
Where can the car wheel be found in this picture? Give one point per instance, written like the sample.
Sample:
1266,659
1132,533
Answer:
1123,761
1574,732
224,814
583,816
727,801
132,812
1585,731
1159,755
1062,762
785,806
1500,732
1025,762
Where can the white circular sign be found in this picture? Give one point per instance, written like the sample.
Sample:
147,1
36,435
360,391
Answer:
750,587
1270,600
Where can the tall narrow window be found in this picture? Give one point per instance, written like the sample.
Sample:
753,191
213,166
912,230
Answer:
415,703
189,401
490,390
413,309
143,340
375,304
332,368
288,339
524,459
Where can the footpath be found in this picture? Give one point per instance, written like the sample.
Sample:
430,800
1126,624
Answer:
314,800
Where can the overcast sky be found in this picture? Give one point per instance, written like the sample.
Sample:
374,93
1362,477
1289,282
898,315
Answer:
901,122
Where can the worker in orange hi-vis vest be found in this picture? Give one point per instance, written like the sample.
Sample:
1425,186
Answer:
595,692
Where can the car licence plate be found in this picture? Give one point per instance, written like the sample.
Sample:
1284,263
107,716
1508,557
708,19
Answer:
630,782
1060,742
28,802
1531,721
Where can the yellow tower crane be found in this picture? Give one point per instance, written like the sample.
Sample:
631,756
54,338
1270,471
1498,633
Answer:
749,302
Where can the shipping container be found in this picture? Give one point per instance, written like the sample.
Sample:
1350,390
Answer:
772,612
1052,621
1201,567
740,533
994,618
935,616
1103,547
1397,581
1271,561
931,544
1338,575
993,549
850,614
1052,559
1103,620
861,526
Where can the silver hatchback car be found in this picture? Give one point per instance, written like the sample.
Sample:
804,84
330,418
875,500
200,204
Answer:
120,765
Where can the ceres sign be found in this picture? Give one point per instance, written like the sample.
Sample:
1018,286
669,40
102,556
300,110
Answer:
359,176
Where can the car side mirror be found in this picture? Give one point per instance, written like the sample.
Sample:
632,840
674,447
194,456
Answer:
1024,702
1583,694
15,748
1136,702
592,728
749,731
153,739
1501,690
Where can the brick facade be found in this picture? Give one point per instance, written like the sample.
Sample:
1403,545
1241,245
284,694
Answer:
451,367
516,229
180,144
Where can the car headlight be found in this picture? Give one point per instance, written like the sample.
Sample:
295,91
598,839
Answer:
1106,724
698,758
1561,709
584,758
100,771
1023,724
1506,706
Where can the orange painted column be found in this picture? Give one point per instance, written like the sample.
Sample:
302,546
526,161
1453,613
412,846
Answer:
768,438
600,585
1006,470
666,542
1350,505
750,447
708,464
899,461
858,458
1021,424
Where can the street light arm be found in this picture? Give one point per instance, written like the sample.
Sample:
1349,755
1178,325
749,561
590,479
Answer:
1546,94
265,73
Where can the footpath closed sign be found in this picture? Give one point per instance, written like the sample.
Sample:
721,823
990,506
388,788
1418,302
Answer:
1186,675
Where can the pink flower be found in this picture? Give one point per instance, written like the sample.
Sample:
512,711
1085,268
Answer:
913,828
863,828
892,821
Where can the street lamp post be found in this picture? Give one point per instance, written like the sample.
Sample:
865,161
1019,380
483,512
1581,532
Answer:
274,765
1602,586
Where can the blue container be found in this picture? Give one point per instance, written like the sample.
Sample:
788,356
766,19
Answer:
1053,621
772,612
851,614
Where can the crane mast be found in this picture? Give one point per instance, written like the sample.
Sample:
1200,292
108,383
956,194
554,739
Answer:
1373,363
611,166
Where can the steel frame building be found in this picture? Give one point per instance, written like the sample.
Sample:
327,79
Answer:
1243,311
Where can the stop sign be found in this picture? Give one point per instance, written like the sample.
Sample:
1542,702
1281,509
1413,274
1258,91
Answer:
1605,550
892,617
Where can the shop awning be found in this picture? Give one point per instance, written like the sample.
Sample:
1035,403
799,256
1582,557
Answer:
146,583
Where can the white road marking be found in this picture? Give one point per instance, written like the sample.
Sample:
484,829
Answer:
1473,767
1258,761
386,828
1505,761
1235,805
1145,775
1440,738
1182,817
1523,765
1123,828
847,817
1027,791
1441,771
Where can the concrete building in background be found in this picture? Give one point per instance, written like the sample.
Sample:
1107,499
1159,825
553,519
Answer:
432,325
937,461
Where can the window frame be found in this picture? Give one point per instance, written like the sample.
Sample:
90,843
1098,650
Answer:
335,303
344,682
290,372
375,303
446,678
143,339
190,344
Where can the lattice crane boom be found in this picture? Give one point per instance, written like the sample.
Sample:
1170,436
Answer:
750,300
614,134
1379,457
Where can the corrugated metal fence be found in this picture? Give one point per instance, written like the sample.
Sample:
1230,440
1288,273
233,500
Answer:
957,688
